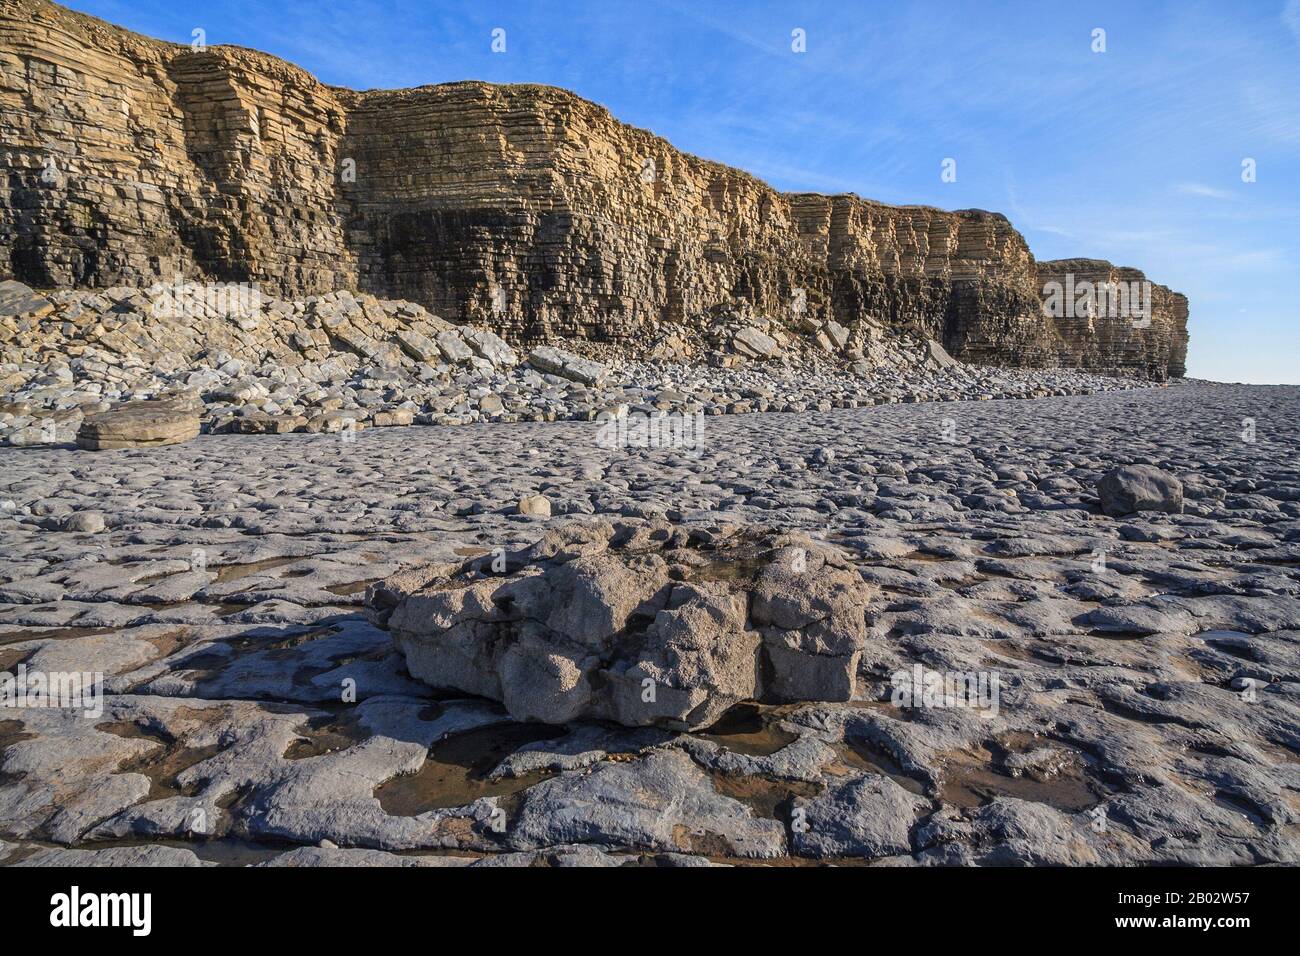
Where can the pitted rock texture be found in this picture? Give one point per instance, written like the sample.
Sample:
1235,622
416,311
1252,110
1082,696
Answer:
657,625
525,208
222,602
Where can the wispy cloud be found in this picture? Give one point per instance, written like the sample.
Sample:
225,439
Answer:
726,28
1200,189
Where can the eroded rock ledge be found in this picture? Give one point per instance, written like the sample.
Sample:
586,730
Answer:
526,208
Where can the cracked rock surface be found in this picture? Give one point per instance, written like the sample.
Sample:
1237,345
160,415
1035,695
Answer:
1145,709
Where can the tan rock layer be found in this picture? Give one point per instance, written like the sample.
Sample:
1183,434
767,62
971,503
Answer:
525,208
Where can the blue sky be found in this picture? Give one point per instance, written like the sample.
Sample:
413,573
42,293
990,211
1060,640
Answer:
1133,155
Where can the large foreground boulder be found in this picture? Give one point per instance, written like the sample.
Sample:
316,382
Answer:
1132,488
141,424
642,624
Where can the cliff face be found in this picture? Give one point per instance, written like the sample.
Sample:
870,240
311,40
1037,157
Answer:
1116,318
127,160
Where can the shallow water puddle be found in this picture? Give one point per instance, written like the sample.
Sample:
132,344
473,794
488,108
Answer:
1122,635
246,643
972,779
207,665
723,562
170,641
233,572
1241,807
223,851
54,633
326,734
766,796
11,732
230,851
161,764
352,587
1233,643
749,729
9,660
455,772
856,755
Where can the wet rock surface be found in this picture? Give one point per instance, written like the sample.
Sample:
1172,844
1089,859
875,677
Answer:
253,714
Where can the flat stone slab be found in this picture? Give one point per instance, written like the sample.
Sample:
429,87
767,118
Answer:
567,365
17,299
755,344
140,424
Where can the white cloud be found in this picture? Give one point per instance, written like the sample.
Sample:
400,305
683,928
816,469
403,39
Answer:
1200,189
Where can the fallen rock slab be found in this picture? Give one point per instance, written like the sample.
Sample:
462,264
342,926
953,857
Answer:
567,365
17,299
751,342
140,424
937,355
490,346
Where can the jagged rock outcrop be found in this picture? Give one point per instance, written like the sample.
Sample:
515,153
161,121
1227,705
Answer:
526,208
638,624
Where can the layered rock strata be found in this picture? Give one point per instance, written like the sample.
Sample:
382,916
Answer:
1108,318
340,362
129,160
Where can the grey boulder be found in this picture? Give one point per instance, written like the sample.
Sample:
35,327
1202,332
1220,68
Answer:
1132,488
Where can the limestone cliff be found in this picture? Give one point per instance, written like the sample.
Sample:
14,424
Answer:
127,160
1145,331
